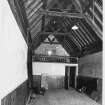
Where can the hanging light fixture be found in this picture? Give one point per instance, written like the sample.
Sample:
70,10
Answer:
49,52
75,27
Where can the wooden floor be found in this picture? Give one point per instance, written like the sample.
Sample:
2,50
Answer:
62,97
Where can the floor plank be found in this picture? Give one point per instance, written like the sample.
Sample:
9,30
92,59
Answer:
62,97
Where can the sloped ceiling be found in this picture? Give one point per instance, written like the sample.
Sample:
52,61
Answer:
41,18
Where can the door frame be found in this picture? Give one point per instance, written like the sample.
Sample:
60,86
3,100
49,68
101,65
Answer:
76,74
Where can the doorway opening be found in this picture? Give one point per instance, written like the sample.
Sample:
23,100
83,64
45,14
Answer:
70,76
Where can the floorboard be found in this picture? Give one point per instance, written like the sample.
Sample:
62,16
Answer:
62,97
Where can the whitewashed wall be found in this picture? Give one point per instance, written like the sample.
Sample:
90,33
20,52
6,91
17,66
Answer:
50,68
13,52
56,49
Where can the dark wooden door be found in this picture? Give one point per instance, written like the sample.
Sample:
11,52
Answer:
72,76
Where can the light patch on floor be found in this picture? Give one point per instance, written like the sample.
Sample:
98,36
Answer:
62,97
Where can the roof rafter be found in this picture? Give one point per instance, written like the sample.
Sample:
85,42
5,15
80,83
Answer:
43,17
94,27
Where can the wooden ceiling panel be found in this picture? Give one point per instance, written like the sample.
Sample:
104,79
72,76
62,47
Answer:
34,12
35,22
79,37
33,7
83,37
86,33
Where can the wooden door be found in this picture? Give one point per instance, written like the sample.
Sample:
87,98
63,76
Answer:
72,77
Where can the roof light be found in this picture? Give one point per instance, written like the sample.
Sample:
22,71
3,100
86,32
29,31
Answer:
75,27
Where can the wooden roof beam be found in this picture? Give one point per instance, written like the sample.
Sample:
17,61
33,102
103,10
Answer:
62,14
43,17
51,43
54,33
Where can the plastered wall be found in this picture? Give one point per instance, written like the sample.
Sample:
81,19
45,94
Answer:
91,65
56,49
13,52
50,68
55,73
